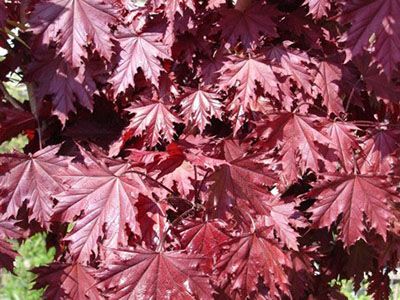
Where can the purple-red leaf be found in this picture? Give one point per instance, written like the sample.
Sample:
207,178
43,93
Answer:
145,274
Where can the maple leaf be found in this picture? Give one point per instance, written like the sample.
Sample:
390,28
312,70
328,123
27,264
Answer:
180,177
56,78
279,216
353,196
153,118
203,237
73,25
240,179
378,151
67,281
243,74
246,25
373,26
145,274
198,106
251,256
376,81
318,8
107,198
295,133
138,50
344,142
35,178
327,83
292,63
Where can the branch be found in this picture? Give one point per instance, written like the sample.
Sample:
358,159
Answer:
7,96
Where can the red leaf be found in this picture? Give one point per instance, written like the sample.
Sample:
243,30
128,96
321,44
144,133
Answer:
145,274
198,106
246,25
67,281
107,196
252,256
344,141
67,85
35,178
279,216
203,237
327,82
139,50
8,230
73,25
243,74
242,179
154,120
373,26
152,218
293,64
379,150
295,135
318,8
353,197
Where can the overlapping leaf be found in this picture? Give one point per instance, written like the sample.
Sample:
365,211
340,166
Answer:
245,26
198,106
318,8
154,120
374,26
296,134
138,50
66,85
252,256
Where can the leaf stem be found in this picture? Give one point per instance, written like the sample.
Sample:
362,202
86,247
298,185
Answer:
7,96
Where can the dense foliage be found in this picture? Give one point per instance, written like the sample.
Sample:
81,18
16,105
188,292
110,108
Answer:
189,149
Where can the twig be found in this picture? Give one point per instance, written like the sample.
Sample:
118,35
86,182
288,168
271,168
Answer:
7,96
174,222
35,108
154,180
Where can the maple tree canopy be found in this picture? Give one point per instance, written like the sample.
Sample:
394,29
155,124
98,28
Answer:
212,149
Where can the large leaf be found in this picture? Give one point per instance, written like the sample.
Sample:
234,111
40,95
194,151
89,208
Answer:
34,178
373,24
327,83
66,85
354,197
247,25
73,25
105,199
154,120
145,274
67,281
253,256
198,106
296,136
